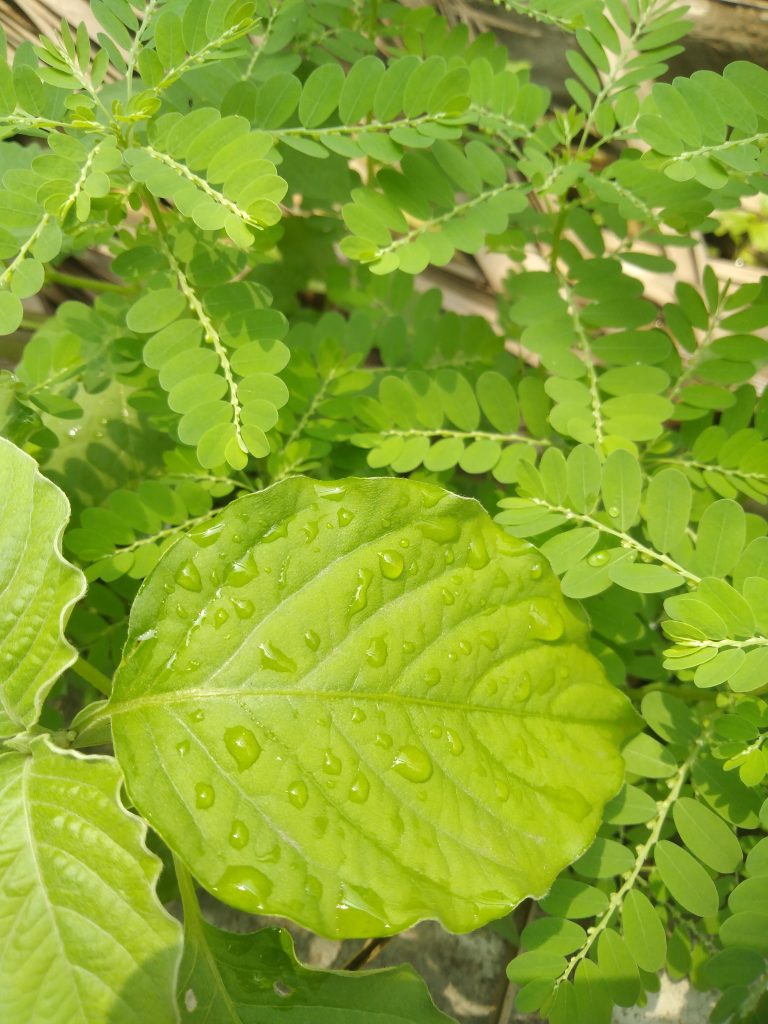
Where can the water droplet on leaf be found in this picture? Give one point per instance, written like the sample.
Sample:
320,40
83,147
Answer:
523,689
477,553
243,887
344,517
376,654
331,763
188,577
297,794
242,745
391,564
358,791
413,764
204,796
244,608
544,620
275,659
238,835
360,597
432,676
311,639
455,743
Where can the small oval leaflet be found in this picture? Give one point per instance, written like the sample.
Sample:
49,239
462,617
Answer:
442,748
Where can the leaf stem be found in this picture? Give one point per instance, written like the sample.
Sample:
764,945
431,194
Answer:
93,676
626,538
616,901
86,284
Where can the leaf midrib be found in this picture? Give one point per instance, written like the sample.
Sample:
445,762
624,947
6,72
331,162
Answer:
232,693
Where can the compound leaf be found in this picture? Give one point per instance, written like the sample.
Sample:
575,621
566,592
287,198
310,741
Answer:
437,681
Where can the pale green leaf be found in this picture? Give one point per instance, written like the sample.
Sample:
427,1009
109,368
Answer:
85,938
354,615
37,588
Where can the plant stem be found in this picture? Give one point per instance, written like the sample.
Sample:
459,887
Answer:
93,676
86,284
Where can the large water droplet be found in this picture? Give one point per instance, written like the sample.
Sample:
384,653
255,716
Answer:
447,596
311,639
238,835
331,492
244,608
441,529
206,535
613,512
360,596
408,647
391,564
376,654
544,620
358,715
273,658
383,739
220,616
489,640
197,716
413,764
523,688
455,743
358,791
242,745
275,532
432,676
239,575
344,517
244,887
477,553
502,790
331,763
536,571
297,794
465,646
598,558
436,731
188,577
310,530
204,796
182,749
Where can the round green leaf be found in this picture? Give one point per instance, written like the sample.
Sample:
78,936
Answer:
155,310
366,692
11,312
